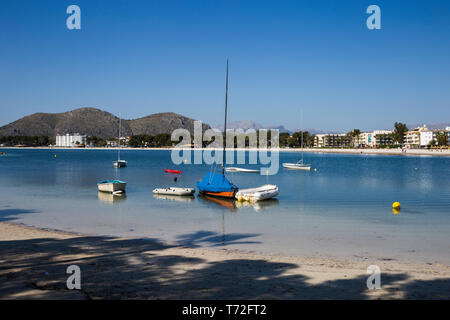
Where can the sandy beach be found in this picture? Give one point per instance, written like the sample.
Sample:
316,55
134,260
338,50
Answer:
33,265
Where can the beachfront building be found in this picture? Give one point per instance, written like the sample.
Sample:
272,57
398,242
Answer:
375,138
71,140
332,140
419,137
365,139
426,137
382,138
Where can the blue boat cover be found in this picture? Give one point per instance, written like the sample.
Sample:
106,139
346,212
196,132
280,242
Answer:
214,182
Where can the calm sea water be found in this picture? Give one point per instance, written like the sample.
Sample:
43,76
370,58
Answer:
343,209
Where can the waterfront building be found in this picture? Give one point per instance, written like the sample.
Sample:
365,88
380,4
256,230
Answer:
71,140
332,140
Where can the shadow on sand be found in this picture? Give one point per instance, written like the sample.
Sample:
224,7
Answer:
114,268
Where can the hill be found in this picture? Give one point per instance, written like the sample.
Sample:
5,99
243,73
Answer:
95,122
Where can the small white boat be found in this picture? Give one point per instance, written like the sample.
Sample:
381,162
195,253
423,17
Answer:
297,166
263,192
188,198
119,163
234,169
175,191
112,186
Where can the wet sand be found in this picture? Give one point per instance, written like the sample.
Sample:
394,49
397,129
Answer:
33,265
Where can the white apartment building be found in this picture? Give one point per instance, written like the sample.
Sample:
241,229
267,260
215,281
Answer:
426,137
332,140
419,137
375,138
70,140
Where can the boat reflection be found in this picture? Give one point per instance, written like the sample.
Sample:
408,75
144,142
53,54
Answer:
259,205
233,205
174,198
225,203
111,198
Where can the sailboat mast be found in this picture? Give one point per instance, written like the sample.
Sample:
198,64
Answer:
302,136
225,125
120,124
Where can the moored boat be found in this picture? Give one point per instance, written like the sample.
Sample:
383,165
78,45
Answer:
243,170
263,192
175,191
214,184
112,186
120,163
172,171
297,166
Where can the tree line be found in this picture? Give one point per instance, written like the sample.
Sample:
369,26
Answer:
31,141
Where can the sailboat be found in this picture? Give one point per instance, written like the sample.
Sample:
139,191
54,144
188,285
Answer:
300,165
119,163
216,184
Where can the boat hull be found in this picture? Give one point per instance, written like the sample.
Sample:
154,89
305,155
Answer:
112,187
119,164
294,166
222,194
243,170
264,192
175,191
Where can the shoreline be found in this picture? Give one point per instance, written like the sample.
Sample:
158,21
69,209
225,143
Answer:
34,262
400,152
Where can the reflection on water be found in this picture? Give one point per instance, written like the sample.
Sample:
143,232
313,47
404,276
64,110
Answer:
218,202
174,198
111,198
258,206
233,205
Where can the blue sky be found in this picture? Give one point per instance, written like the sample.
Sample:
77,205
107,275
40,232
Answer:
142,57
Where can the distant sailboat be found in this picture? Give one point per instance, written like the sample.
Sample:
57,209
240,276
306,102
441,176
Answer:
214,184
119,163
299,165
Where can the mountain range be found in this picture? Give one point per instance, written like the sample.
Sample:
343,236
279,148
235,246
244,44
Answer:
250,124
96,122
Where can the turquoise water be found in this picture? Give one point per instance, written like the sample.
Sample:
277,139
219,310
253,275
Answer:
343,209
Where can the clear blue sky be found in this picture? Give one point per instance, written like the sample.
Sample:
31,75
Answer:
142,57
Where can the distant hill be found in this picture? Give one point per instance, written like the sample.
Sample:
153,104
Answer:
95,122
162,123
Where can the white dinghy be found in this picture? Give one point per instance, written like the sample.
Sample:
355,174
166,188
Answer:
263,192
235,169
175,191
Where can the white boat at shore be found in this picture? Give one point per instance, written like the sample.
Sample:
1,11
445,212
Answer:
263,192
112,186
174,191
235,169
